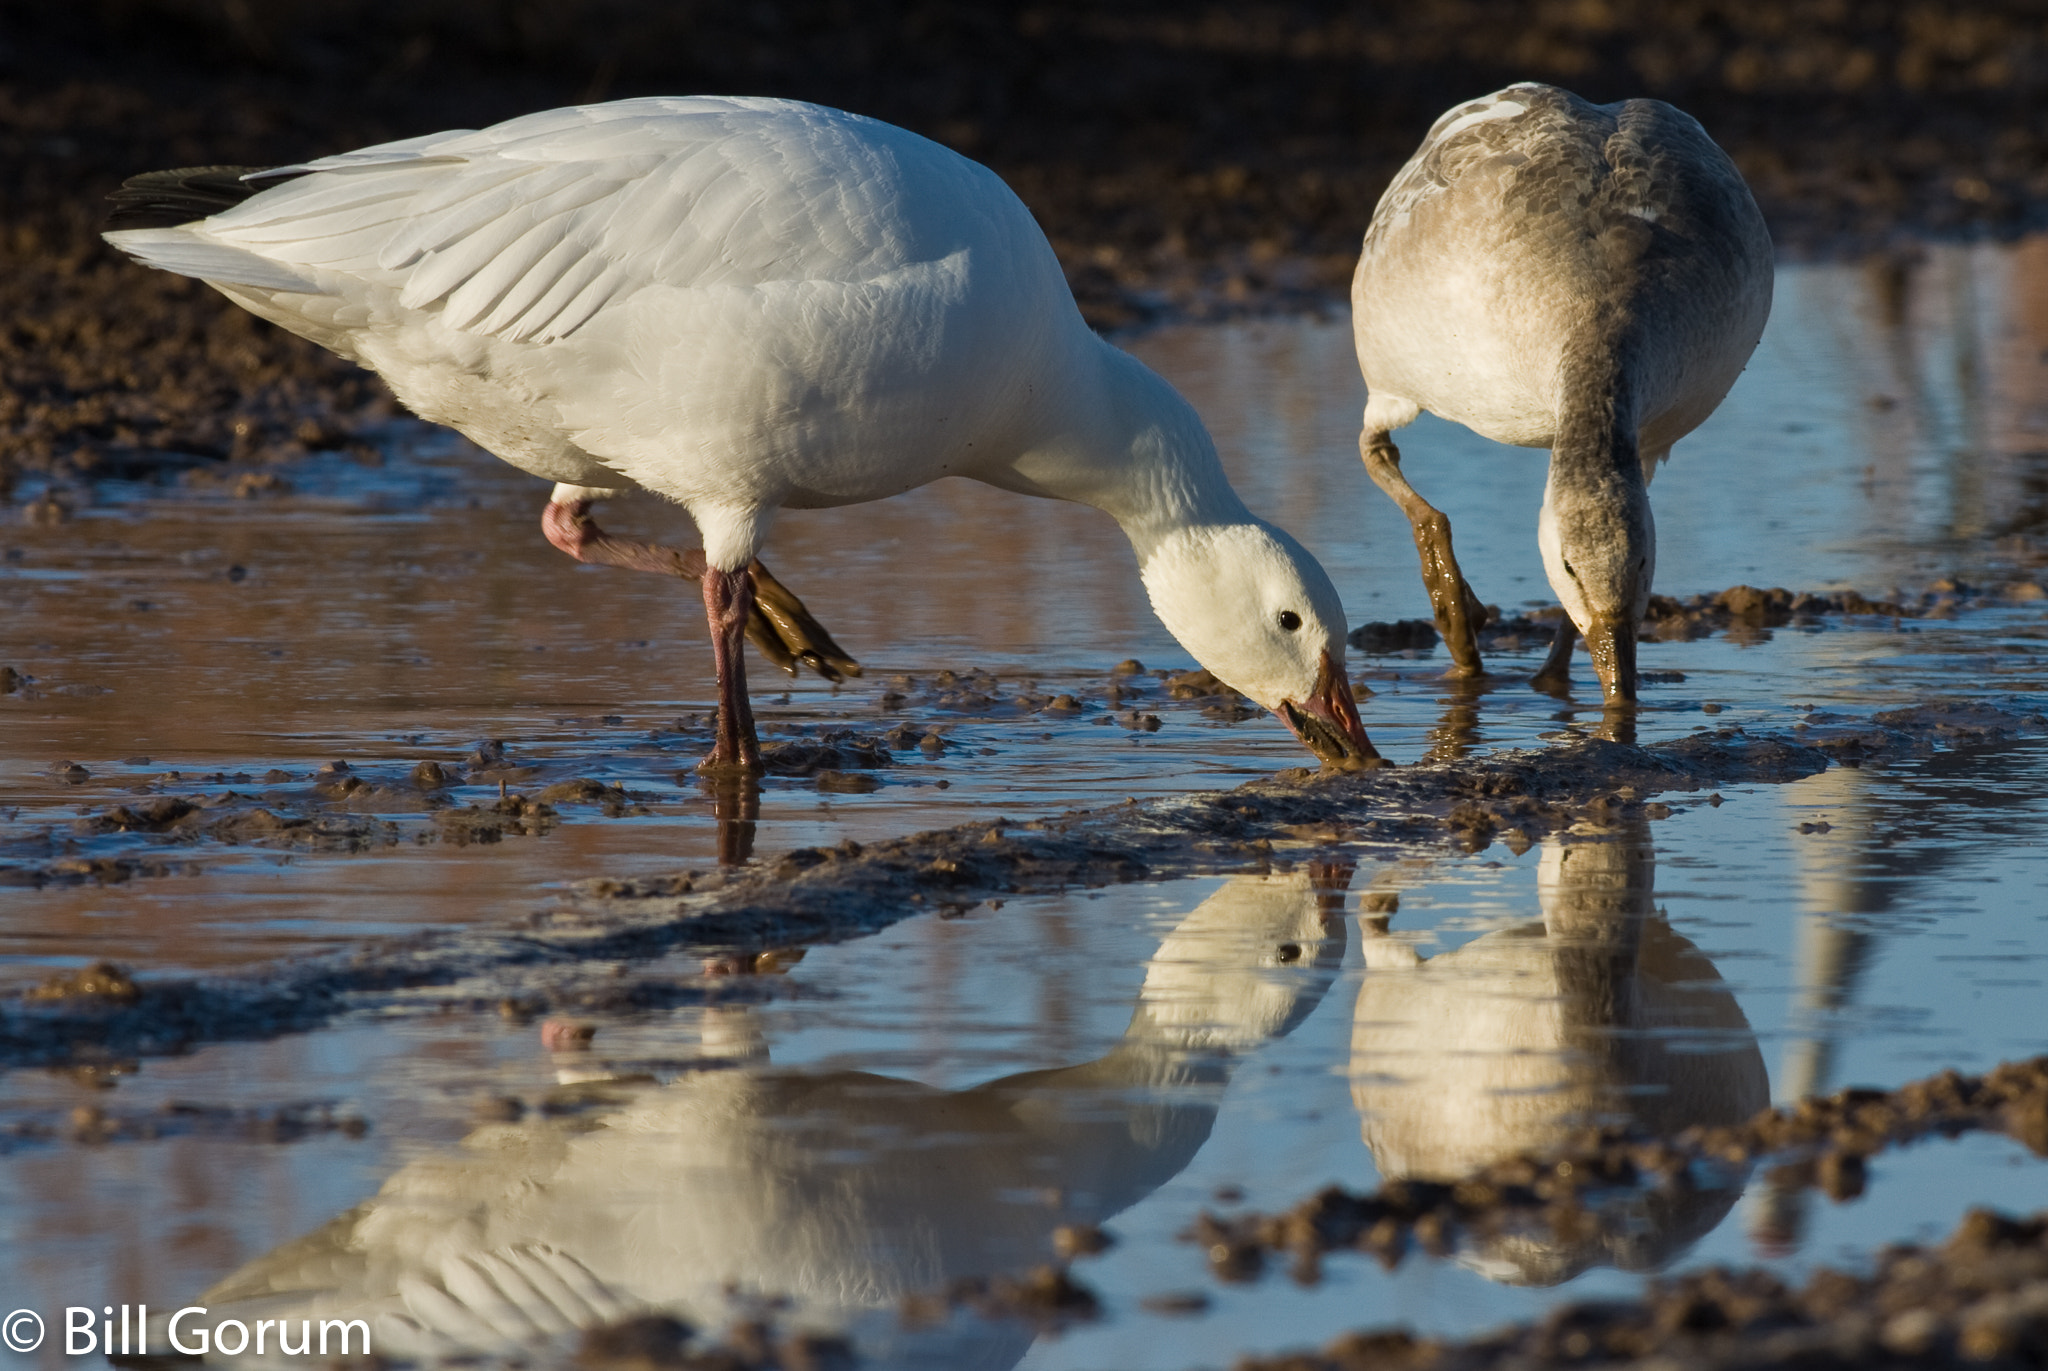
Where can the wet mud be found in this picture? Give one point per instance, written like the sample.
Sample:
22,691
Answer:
341,808
1980,1299
1599,1185
1746,612
1192,164
652,1341
567,957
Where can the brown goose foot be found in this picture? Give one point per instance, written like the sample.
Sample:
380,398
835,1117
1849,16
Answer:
1459,614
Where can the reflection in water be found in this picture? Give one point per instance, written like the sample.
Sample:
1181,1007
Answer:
841,1190
1831,957
1598,1014
1886,836
1457,729
736,809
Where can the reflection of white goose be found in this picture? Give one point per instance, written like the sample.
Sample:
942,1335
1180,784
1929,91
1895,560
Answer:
744,305
1835,878
1512,1042
841,1190
1550,273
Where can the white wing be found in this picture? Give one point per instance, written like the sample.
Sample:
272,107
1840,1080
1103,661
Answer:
526,230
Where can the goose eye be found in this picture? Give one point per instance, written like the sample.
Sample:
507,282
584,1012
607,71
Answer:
1289,620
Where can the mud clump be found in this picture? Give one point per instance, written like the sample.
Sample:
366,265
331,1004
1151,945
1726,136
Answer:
96,1125
658,1342
1745,612
513,815
1401,635
636,1344
1199,684
319,833
612,800
65,871
1823,1142
159,815
835,750
1046,1296
102,981
1980,1298
1080,1240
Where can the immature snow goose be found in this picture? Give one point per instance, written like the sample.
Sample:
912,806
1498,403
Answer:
745,304
1551,273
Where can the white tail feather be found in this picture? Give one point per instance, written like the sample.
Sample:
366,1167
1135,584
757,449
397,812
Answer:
190,254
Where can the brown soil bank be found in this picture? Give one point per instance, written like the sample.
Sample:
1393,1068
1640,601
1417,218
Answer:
1191,159
1979,1300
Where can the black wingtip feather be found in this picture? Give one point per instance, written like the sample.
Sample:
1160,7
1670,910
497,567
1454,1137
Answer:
166,199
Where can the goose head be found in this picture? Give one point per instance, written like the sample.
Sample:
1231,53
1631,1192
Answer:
1600,552
1260,613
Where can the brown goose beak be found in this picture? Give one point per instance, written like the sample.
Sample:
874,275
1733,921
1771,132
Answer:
1611,643
1328,725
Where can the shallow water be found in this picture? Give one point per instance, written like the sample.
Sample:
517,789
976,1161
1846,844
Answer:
1890,431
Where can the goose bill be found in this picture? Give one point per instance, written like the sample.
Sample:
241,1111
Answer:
1612,645
1327,722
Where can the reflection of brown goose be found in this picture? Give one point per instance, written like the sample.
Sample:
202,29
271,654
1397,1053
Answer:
843,1190
1600,1013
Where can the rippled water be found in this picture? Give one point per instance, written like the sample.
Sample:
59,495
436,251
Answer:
932,1101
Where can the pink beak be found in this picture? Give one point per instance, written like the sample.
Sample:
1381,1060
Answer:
1328,725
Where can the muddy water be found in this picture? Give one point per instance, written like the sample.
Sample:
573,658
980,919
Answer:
932,1102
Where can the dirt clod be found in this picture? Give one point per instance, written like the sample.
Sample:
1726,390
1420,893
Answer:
102,981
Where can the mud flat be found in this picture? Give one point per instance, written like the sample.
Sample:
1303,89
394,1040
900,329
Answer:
1203,164
1978,1299
345,829
816,894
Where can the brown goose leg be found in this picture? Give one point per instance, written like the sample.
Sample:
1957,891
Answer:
1459,615
1554,677
728,601
779,626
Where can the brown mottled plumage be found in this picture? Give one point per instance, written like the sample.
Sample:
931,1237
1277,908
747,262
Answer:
1553,273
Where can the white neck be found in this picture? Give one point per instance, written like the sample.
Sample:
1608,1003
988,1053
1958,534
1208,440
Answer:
1129,445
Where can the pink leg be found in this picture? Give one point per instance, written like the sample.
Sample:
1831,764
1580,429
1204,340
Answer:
570,528
728,602
777,621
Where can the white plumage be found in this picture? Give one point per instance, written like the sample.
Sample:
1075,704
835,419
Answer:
842,1191
746,304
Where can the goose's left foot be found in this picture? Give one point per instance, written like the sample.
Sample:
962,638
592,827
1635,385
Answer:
1459,614
781,617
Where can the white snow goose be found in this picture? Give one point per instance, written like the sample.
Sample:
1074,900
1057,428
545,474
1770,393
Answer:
1552,273
745,304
